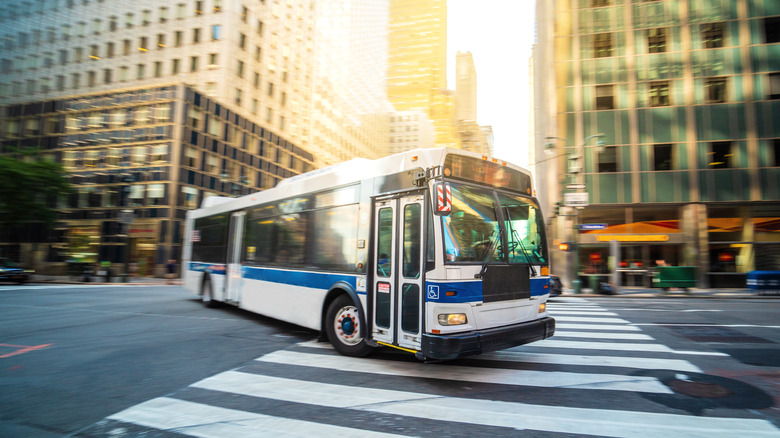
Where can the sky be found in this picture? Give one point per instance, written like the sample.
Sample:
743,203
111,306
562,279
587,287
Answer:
499,34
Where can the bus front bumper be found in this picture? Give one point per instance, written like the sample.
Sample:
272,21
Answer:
444,347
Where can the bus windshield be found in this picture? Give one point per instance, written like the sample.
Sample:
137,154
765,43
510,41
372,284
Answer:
472,232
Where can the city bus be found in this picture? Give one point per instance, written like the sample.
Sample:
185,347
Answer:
438,252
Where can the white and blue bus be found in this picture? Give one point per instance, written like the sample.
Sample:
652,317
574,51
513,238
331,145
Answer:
438,252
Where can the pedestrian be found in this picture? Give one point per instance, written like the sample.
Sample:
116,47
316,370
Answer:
170,271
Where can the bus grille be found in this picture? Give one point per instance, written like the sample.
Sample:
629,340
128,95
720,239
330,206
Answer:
505,282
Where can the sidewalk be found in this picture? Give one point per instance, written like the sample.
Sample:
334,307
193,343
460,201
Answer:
640,292
97,280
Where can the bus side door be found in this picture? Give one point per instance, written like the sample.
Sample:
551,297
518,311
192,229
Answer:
397,271
233,277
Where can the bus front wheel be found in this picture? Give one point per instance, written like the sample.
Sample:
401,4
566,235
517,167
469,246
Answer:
342,325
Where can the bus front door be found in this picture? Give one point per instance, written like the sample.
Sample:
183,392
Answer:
397,271
233,276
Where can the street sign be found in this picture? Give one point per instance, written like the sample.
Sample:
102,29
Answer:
579,199
576,186
591,227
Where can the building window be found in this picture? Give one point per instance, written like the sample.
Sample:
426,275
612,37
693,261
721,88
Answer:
238,96
712,35
604,97
240,69
158,69
656,40
194,63
257,80
270,90
774,85
715,90
107,76
178,37
195,35
216,32
129,20
217,5
607,159
659,93
175,66
662,157
126,47
258,53
259,28
163,14
602,45
91,78
772,29
244,13
181,11
241,40
143,46
160,40
720,155
191,157
140,71
198,7
213,59
776,153
146,17
598,3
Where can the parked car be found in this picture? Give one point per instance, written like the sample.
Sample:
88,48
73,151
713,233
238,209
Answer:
12,271
556,288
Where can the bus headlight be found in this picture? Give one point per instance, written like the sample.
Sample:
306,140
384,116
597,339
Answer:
542,307
452,318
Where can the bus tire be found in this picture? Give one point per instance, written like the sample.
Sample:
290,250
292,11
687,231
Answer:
206,295
341,325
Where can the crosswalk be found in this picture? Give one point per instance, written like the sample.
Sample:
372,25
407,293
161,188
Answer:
600,375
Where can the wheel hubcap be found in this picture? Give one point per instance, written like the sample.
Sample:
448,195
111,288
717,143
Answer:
346,325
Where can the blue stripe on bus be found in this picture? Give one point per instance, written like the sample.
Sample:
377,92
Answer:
471,291
316,280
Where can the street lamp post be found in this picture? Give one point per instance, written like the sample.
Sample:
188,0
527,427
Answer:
573,167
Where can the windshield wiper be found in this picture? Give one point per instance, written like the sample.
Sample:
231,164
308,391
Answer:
486,256
517,238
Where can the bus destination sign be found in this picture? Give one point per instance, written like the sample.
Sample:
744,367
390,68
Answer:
486,172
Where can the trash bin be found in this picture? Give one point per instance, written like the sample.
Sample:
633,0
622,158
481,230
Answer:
595,283
681,277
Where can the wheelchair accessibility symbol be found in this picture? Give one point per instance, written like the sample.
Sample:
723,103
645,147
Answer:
433,292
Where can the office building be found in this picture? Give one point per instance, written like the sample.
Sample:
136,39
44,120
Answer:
312,71
410,130
152,151
687,96
417,66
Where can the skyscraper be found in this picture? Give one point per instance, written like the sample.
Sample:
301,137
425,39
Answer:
417,70
685,93
296,67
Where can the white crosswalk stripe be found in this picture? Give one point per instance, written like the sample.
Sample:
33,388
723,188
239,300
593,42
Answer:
581,364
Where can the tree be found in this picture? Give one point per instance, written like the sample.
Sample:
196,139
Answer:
29,190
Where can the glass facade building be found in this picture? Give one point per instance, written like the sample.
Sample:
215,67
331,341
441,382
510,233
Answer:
687,96
157,151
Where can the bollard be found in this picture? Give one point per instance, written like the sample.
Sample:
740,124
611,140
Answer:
576,284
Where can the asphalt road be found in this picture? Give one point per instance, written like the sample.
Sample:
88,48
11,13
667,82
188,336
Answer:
137,360
72,355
